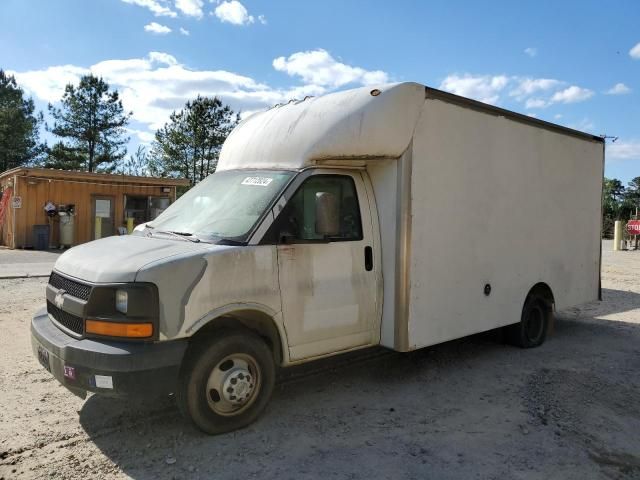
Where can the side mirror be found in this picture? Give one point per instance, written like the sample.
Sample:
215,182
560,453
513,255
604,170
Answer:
327,214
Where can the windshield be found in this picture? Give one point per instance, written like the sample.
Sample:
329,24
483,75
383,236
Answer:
225,205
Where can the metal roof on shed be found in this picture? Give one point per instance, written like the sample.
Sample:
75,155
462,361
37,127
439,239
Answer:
75,175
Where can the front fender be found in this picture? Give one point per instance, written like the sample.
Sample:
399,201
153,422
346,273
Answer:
251,311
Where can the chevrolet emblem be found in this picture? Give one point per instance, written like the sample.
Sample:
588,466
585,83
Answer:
59,300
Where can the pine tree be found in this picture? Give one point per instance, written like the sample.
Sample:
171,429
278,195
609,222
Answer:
93,120
137,164
64,157
188,145
19,125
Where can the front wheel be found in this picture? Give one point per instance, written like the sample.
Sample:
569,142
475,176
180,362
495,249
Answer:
227,382
534,323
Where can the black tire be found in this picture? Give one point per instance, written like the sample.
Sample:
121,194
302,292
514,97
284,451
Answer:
531,330
207,365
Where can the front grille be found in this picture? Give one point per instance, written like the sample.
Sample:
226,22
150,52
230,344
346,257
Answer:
73,288
66,319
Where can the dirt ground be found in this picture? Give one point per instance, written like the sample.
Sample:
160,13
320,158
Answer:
473,408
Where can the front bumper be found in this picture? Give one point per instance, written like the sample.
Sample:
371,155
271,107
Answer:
106,367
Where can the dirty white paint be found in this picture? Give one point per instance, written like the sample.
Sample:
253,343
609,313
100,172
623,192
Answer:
500,202
327,295
349,124
198,289
118,258
383,175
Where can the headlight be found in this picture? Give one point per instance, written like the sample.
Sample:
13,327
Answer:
122,301
126,310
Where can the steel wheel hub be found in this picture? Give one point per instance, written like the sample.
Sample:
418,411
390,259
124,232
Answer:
233,384
237,386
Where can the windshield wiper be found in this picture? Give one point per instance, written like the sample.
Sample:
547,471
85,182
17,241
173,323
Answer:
183,235
228,241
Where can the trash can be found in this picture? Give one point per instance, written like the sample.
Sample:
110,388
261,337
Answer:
67,227
41,237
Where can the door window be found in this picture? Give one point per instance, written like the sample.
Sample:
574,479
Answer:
299,220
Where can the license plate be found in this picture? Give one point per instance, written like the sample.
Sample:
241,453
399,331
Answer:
43,358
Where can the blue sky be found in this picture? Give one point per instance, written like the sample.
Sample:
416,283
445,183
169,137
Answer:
576,63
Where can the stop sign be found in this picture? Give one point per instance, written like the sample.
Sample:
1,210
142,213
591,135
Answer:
633,227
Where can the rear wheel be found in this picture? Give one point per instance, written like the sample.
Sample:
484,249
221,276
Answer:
226,383
534,323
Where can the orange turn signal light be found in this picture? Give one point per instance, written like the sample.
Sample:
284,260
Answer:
114,329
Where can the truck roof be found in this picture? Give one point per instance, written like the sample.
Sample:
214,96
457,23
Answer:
359,124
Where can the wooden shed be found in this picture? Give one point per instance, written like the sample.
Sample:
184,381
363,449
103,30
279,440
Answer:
101,204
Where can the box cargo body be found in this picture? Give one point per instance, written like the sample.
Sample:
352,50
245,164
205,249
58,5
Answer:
399,216
486,198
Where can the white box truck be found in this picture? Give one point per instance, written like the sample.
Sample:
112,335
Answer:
399,216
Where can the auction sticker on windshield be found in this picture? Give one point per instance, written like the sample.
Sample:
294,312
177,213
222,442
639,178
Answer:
257,181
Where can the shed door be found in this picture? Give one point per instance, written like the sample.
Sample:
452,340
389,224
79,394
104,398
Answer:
103,218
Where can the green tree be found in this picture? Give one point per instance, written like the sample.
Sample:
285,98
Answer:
188,146
612,195
93,121
19,126
632,194
64,157
137,164
618,202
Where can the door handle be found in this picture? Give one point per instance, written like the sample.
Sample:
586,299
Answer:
368,258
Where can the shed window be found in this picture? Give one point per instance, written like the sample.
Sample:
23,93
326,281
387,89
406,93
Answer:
144,209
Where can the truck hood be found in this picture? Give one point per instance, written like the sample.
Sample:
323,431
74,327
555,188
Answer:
119,258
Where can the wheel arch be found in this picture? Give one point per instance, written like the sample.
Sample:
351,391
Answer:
542,289
259,319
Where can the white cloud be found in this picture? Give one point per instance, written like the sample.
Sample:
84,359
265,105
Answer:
48,84
155,85
161,58
191,8
262,19
156,28
532,52
618,89
635,52
525,86
144,136
572,94
623,150
558,116
533,92
484,88
319,68
535,103
157,7
184,31
233,12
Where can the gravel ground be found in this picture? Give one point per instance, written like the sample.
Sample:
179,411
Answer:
472,408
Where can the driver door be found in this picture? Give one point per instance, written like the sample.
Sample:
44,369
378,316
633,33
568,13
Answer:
328,284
